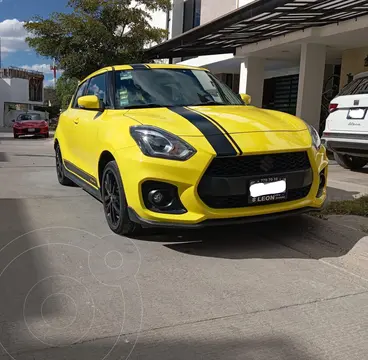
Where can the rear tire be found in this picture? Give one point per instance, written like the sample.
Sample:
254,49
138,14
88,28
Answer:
114,202
350,162
63,180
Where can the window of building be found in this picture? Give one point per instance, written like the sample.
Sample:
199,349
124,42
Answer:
192,14
197,13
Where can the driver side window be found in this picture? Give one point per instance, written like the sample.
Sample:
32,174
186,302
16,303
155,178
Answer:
80,92
97,86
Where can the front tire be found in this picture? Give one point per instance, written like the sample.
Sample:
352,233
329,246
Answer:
114,202
63,180
16,136
350,162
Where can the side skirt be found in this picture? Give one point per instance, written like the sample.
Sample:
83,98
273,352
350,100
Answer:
82,184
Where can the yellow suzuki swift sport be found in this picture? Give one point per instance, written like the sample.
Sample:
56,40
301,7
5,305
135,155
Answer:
171,146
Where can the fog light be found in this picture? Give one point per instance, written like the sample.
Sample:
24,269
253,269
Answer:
160,198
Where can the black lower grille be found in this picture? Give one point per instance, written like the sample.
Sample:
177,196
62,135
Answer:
255,165
240,201
226,182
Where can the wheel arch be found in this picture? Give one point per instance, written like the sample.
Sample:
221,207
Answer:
105,157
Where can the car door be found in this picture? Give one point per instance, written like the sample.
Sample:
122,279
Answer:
69,120
86,128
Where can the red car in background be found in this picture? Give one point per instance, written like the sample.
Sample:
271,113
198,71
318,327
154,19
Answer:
30,124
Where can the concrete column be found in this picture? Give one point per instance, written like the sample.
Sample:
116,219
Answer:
177,21
252,79
311,77
2,111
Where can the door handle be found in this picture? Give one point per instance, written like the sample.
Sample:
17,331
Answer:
76,121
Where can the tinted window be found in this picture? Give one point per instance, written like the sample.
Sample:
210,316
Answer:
26,117
358,86
171,87
79,93
97,86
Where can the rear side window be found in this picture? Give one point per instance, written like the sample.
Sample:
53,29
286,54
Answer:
358,86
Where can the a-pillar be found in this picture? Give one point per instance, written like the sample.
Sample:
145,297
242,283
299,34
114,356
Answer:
311,78
251,82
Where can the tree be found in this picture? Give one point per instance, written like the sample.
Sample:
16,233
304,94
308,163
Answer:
65,88
50,97
96,34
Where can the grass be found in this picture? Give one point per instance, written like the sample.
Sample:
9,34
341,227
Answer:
357,207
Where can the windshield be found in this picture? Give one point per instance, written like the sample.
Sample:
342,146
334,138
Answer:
26,117
171,87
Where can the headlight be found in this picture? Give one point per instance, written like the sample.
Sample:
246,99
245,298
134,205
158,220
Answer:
159,143
316,140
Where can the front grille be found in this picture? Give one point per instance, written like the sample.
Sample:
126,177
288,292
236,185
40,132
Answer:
258,164
240,201
226,182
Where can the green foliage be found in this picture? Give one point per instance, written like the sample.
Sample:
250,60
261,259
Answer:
96,34
65,89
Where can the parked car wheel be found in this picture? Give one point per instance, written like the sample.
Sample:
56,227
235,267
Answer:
63,180
47,135
16,136
114,202
350,162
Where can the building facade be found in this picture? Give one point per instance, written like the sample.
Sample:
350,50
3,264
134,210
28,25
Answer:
296,72
20,91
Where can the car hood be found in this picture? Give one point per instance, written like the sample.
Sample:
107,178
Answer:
184,121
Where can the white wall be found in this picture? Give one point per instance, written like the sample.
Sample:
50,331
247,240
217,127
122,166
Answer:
212,9
14,91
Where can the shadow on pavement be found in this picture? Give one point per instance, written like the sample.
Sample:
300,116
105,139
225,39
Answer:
306,236
21,270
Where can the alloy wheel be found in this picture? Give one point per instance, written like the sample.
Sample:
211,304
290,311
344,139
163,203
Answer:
111,198
59,164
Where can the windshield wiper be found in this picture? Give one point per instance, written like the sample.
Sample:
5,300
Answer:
143,106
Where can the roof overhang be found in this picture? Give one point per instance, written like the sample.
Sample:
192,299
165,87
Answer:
255,22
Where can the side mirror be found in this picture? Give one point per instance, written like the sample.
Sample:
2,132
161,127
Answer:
90,102
246,99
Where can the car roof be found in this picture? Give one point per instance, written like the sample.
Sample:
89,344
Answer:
361,75
151,66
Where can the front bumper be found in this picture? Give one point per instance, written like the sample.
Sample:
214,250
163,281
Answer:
26,131
136,169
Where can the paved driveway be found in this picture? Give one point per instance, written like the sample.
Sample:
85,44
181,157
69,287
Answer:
291,289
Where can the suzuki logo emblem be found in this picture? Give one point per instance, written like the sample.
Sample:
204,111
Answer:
267,164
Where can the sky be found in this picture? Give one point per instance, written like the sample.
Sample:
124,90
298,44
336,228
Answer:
14,50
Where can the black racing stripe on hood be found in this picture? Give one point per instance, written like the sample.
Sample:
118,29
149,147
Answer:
211,132
233,142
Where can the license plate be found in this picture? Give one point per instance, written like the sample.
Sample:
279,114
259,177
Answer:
31,130
357,114
267,190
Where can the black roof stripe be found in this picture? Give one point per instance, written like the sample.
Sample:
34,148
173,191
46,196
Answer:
140,67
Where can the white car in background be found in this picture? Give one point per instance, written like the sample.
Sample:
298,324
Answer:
346,132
